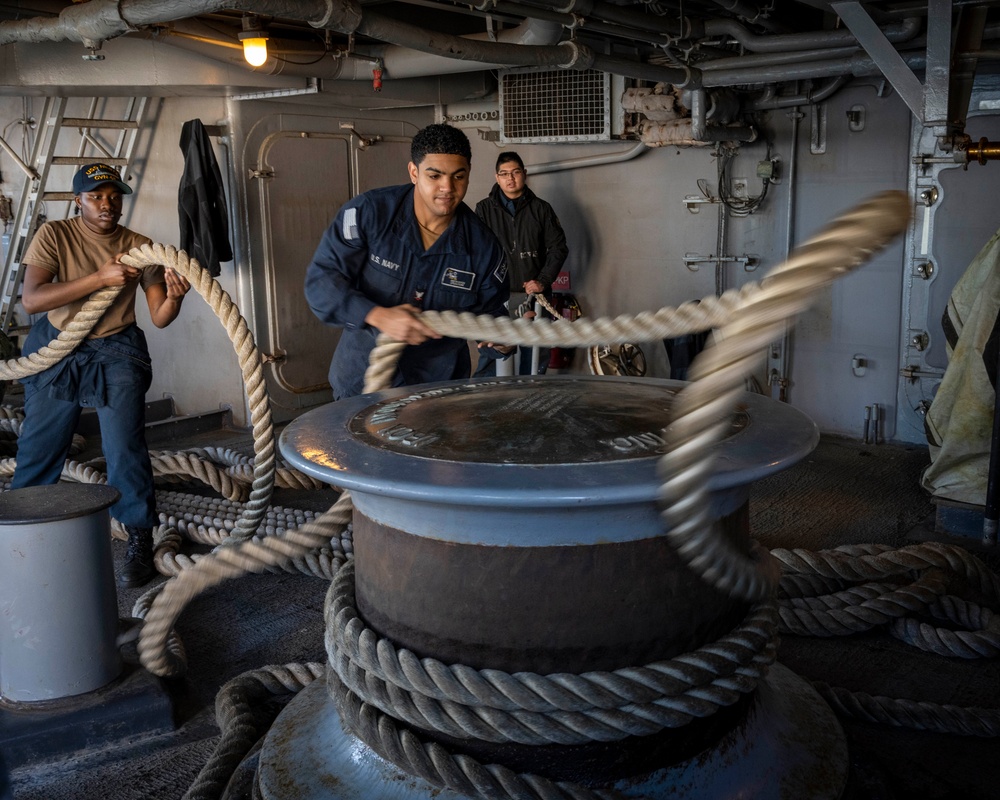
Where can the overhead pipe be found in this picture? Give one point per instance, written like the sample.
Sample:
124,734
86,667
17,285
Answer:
907,10
396,62
982,152
570,22
770,100
698,105
566,55
751,13
857,66
597,9
785,42
703,131
407,62
96,21
776,59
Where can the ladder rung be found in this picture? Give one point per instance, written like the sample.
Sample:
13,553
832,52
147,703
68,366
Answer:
113,162
84,122
33,191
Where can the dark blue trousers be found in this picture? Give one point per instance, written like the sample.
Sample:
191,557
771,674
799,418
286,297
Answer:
112,375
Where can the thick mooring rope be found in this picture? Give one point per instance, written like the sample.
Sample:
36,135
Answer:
66,342
235,706
836,608
239,334
232,561
185,465
532,709
439,767
702,410
912,714
250,364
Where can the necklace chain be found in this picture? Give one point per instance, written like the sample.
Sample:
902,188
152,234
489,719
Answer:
431,232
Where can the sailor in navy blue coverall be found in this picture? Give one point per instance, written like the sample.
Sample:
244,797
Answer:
392,252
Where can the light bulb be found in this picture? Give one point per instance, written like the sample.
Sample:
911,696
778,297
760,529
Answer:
255,51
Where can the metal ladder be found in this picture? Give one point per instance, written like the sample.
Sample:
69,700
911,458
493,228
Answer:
33,192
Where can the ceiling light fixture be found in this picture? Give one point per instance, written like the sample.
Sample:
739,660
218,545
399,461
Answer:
254,39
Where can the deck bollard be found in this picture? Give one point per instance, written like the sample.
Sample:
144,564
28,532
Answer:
512,525
58,603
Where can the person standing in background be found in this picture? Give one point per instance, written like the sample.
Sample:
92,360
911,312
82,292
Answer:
533,241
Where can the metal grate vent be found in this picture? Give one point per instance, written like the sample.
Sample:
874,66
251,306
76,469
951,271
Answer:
554,106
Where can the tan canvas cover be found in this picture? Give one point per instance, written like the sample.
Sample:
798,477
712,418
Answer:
959,422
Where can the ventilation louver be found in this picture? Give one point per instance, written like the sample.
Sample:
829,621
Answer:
554,106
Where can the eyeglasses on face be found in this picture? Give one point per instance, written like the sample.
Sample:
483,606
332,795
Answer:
514,173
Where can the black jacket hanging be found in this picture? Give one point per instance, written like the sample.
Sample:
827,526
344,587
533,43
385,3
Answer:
201,201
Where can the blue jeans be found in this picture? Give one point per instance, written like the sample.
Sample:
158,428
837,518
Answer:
113,375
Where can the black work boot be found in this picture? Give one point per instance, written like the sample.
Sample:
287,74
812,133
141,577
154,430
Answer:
138,567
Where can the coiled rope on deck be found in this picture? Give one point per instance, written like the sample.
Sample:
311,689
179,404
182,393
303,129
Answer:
235,706
911,714
837,608
527,708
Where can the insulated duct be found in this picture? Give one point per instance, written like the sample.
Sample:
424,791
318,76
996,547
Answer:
396,62
96,21
414,51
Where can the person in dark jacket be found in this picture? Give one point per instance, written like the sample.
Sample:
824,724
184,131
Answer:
533,241
395,251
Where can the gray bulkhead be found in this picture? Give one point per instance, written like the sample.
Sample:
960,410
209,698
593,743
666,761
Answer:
637,239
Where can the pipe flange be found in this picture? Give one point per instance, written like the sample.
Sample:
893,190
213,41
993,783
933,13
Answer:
583,57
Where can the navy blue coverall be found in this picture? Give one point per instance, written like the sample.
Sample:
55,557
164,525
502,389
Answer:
373,255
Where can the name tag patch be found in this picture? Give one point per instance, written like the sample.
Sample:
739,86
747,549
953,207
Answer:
500,273
391,266
458,279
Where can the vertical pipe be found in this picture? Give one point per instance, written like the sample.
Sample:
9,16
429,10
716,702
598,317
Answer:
534,350
992,510
720,236
778,366
506,367
699,123
868,416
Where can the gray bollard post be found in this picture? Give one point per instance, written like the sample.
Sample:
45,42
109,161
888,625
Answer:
58,602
